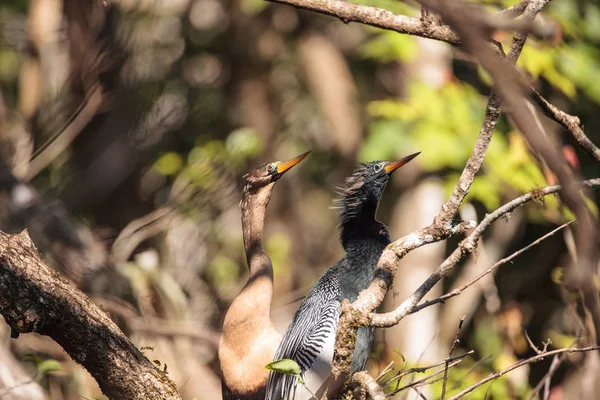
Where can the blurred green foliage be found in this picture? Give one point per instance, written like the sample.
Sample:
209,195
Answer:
444,123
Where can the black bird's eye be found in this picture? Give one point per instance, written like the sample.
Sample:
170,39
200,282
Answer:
378,167
270,167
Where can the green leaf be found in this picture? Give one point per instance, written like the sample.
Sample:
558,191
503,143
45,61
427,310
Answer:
285,366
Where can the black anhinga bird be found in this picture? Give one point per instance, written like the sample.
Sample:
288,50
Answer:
310,338
249,339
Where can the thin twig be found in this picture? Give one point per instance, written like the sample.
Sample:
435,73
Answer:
467,246
553,366
424,381
533,346
64,137
470,371
387,369
570,122
545,381
556,361
459,290
454,343
423,369
529,360
421,395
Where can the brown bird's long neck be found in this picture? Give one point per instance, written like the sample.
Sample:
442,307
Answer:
254,208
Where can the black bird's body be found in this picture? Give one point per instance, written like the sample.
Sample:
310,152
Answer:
310,337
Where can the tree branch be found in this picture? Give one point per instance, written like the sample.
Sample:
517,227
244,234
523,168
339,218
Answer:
37,299
529,360
384,19
356,314
513,11
459,290
513,92
570,122
426,380
421,370
368,384
377,17
467,246
454,343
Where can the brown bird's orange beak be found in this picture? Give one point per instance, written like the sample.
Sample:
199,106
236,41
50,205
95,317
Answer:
284,166
392,166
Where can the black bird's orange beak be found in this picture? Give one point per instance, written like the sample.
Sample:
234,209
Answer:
392,166
284,166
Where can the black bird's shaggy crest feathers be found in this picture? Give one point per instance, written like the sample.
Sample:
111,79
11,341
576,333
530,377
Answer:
360,196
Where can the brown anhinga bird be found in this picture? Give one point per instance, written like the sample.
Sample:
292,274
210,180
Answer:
249,338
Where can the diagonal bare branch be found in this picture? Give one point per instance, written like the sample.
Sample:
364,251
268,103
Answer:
467,246
454,343
489,270
368,300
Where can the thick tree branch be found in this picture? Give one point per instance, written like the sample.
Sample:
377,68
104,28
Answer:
377,17
369,385
34,298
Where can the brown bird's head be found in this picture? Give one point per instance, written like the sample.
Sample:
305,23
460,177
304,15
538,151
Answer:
266,174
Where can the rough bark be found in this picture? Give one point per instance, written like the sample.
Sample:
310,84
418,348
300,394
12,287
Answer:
35,298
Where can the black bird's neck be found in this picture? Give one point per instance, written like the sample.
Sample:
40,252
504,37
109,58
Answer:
364,239
358,220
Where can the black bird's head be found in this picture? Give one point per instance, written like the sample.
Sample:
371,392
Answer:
265,175
364,188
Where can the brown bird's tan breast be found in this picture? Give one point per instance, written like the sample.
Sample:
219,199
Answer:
249,341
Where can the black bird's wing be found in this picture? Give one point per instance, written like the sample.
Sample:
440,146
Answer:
309,340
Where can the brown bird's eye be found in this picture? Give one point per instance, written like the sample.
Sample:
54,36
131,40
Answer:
270,167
